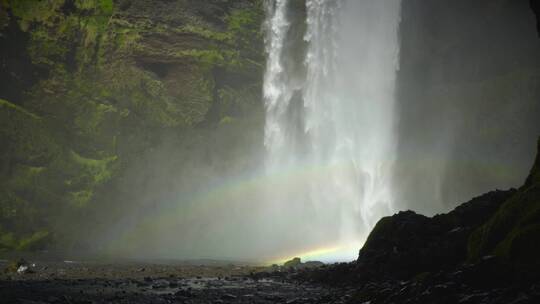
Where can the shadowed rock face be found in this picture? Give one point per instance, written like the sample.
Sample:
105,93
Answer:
513,232
501,223
486,244
468,100
408,243
535,6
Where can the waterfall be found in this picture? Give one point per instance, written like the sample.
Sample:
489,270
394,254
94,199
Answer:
329,94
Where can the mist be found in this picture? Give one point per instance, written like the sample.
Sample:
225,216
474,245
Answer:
374,108
468,116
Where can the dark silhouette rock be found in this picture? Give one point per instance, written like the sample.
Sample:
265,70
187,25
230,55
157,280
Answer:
535,6
296,263
292,263
407,243
513,232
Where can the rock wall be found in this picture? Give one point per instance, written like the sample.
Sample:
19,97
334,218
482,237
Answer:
89,89
468,96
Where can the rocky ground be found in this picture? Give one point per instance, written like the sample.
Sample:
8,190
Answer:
120,282
215,282
486,281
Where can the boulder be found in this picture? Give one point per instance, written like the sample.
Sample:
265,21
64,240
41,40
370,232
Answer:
293,263
407,243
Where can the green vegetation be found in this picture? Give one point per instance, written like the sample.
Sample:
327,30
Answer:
109,86
8,106
34,11
513,232
244,26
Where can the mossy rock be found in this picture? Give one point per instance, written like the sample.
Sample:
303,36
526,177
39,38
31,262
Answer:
295,262
14,265
35,241
514,231
25,137
108,87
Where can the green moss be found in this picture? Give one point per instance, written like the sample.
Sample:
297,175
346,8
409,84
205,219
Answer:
226,120
98,6
93,117
238,100
94,29
29,11
244,26
515,226
534,175
143,94
45,49
126,39
7,241
54,35
106,6
208,57
37,240
498,233
24,136
240,20
194,97
206,33
6,105
517,245
80,199
100,106
25,177
98,170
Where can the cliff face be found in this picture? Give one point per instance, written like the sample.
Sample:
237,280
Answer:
480,63
89,88
468,99
514,231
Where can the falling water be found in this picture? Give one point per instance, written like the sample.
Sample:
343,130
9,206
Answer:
329,96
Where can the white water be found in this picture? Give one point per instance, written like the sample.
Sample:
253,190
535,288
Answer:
330,114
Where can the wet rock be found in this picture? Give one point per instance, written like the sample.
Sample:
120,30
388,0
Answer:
184,294
228,296
293,301
295,262
522,299
311,264
472,298
19,266
407,243
22,269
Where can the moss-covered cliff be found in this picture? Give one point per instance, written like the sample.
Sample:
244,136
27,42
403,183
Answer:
514,231
88,88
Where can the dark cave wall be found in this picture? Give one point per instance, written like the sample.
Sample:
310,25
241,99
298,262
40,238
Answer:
469,86
535,6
